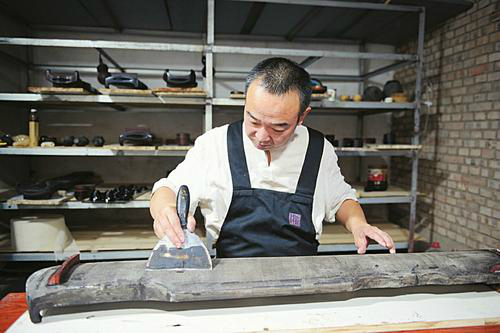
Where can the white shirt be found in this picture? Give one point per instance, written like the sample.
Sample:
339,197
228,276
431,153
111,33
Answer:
206,172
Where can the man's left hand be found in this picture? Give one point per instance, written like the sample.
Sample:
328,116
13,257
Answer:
364,232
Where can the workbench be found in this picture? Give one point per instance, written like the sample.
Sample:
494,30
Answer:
436,309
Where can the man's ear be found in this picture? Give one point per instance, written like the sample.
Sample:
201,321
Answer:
304,115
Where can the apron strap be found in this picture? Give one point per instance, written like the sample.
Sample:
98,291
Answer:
310,168
238,163
237,158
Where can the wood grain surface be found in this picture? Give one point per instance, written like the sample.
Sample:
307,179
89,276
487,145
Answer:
11,307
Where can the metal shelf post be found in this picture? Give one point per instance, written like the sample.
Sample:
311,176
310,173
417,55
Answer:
416,131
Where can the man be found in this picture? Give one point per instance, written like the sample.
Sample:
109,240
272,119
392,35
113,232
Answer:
266,184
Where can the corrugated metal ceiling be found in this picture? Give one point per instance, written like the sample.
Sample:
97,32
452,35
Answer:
246,18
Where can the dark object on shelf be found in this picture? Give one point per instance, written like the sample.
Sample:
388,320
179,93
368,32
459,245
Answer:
98,141
389,138
124,81
347,142
183,139
45,189
377,178
68,80
370,141
98,196
317,87
335,143
45,138
204,69
330,138
7,139
136,137
81,141
83,191
372,94
392,87
121,193
102,71
180,81
37,191
66,141
358,142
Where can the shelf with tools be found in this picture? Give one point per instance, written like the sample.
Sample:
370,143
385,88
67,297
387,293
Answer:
211,104
86,100
136,241
15,202
329,107
116,150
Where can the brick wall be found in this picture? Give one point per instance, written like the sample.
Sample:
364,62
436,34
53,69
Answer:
459,163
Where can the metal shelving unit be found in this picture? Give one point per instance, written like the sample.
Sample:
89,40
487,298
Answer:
145,204
93,151
210,48
178,151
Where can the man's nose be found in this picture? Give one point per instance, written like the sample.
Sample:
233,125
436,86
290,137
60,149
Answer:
262,135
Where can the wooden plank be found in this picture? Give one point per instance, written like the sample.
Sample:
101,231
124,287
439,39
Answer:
116,146
241,278
58,91
180,92
125,92
314,97
56,200
174,147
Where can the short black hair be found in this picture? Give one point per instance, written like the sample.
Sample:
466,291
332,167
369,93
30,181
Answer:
280,75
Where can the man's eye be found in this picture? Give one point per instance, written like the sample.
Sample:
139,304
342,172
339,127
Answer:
279,130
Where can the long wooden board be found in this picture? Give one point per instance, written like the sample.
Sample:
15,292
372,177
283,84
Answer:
58,91
125,92
238,278
180,92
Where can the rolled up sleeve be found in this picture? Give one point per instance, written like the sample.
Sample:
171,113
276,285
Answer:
191,172
337,190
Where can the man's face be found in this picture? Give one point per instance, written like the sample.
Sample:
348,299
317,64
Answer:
270,120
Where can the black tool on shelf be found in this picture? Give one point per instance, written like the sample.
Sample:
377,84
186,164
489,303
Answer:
102,71
98,141
68,80
373,94
392,87
180,81
81,141
317,87
136,137
45,189
122,193
204,69
124,81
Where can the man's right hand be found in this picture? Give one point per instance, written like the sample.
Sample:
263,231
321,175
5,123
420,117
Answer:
166,221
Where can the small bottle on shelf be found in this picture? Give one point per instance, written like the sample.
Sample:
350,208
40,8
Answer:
33,128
